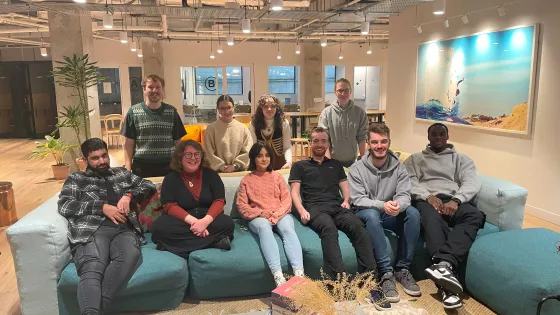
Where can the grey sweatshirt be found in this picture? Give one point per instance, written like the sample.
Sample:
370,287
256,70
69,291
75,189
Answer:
347,127
371,187
448,172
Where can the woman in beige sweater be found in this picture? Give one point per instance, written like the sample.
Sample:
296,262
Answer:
226,141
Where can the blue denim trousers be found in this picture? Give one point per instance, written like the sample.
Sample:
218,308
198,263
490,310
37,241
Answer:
407,227
105,264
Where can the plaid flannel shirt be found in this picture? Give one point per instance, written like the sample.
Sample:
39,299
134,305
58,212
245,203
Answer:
83,195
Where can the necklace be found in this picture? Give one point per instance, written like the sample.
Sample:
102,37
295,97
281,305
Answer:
190,184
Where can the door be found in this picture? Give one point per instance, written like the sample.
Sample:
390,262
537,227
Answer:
43,98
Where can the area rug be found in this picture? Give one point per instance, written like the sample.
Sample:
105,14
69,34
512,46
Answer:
429,301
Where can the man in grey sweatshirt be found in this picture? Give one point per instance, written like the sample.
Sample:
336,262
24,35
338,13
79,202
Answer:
444,183
347,125
380,195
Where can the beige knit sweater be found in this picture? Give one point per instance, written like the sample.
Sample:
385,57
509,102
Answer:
226,144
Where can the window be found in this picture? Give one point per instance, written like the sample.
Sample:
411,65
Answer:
206,83
234,80
330,78
282,80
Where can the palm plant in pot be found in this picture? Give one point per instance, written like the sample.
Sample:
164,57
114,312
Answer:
57,149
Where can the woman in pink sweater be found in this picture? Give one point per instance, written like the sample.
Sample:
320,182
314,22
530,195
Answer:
264,200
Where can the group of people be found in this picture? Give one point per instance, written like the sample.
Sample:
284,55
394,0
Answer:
433,189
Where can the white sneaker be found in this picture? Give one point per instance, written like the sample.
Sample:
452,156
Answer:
450,300
279,278
299,273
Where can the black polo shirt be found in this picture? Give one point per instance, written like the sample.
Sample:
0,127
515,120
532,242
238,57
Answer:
319,182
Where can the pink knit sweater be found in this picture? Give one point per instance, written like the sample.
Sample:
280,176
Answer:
264,194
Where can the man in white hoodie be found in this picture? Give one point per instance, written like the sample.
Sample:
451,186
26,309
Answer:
346,124
444,183
380,195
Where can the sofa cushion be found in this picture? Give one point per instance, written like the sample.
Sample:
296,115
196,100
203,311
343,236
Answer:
512,271
160,271
241,271
150,209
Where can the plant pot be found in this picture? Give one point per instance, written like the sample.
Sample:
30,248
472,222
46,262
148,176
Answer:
60,171
82,165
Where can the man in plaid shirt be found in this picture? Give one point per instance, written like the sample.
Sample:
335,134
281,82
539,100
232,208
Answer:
104,235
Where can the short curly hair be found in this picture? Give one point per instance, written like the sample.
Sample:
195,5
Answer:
258,117
177,157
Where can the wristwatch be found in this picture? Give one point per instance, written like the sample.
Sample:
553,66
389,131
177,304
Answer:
456,200
235,167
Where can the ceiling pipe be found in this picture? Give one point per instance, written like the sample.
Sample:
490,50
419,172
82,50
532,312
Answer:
25,17
107,38
23,41
304,25
24,30
164,30
272,36
14,21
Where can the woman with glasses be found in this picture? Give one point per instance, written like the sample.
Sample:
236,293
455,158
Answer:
227,141
193,199
264,199
269,126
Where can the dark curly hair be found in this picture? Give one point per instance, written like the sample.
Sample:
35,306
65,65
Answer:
258,117
255,151
177,157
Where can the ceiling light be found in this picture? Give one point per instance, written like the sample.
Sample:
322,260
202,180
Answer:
340,56
108,21
298,49
501,11
439,7
369,50
123,36
276,5
246,25
230,41
446,23
279,55
365,28
44,51
212,55
465,19
80,1
132,46
219,50
419,29
139,53
323,41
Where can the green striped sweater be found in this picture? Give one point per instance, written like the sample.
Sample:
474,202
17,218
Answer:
154,132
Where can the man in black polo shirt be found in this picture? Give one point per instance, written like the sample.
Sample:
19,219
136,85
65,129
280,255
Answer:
321,179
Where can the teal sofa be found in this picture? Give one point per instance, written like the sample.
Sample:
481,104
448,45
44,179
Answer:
47,279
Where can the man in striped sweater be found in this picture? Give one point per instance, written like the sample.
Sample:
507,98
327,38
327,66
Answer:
151,130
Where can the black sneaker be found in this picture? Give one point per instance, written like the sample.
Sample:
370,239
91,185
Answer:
442,275
450,300
388,285
408,283
378,299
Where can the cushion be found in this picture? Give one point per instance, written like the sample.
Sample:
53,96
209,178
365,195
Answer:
193,133
241,271
150,209
512,271
160,272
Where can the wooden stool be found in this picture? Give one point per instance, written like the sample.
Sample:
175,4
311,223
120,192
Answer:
301,144
8,214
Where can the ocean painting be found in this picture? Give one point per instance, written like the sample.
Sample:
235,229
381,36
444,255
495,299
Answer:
484,81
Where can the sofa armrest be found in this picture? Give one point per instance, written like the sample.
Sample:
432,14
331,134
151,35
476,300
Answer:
502,202
40,250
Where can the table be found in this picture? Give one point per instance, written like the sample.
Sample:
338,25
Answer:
378,113
294,119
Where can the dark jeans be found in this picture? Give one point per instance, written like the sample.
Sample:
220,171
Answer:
445,244
406,225
326,220
149,169
104,265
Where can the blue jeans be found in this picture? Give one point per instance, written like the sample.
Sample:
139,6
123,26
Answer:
406,225
292,247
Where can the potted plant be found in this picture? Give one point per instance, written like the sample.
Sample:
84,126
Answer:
57,148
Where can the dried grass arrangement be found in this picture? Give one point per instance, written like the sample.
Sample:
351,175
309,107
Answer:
320,296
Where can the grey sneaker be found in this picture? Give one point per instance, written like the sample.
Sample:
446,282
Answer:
408,283
388,285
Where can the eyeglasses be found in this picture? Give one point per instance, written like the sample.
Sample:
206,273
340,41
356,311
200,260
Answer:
345,91
189,155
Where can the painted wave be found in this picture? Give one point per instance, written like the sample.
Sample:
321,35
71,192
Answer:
434,110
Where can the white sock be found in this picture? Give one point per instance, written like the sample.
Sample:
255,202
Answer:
279,277
298,272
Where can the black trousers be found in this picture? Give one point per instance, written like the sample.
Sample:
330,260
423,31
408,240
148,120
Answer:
443,243
148,169
105,264
326,220
176,236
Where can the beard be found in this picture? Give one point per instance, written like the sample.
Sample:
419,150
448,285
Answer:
318,153
377,156
101,169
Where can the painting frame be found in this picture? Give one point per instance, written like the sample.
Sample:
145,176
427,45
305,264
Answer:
532,83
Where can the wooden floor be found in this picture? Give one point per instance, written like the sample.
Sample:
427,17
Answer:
33,184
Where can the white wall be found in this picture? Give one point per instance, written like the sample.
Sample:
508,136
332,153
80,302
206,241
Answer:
531,162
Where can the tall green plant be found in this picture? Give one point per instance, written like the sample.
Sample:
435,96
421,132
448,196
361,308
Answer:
55,147
78,73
